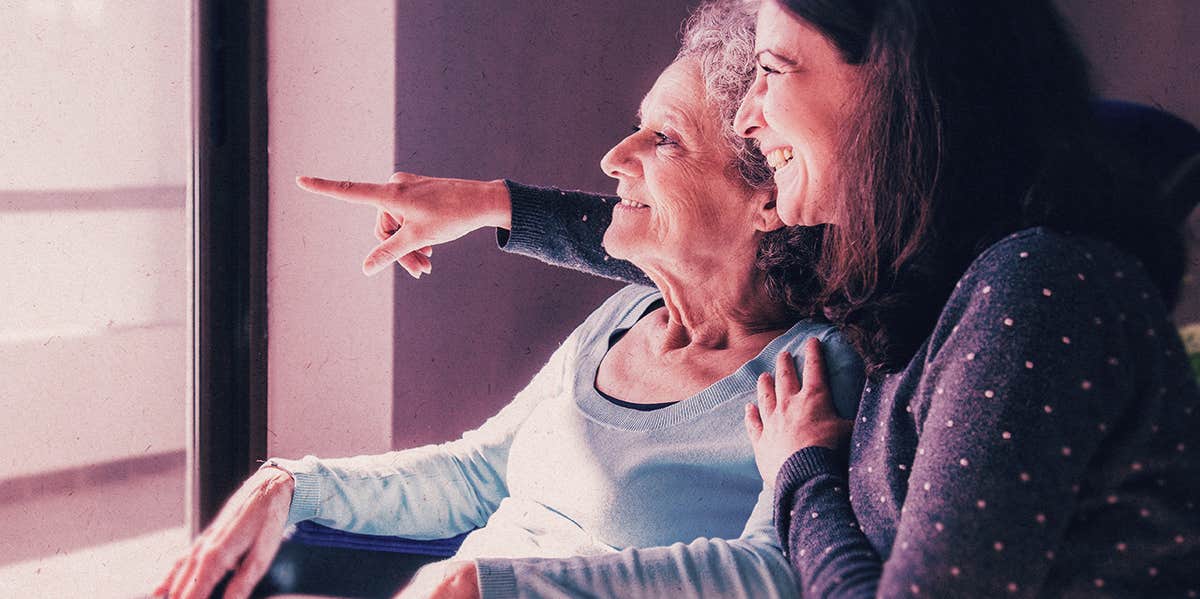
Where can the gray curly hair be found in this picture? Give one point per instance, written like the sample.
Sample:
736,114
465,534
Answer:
719,36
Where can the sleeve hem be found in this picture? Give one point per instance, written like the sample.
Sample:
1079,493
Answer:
306,497
805,464
528,218
496,579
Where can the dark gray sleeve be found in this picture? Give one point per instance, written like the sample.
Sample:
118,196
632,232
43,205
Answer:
564,228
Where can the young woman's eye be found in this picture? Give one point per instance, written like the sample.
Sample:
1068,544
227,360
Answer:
767,70
661,139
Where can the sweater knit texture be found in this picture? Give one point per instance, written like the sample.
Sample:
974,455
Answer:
573,495
1041,443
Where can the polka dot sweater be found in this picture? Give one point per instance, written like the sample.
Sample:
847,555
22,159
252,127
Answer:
1042,442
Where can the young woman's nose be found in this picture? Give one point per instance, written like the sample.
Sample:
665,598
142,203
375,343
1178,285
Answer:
749,117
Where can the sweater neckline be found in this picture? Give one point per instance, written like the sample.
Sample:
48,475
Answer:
741,381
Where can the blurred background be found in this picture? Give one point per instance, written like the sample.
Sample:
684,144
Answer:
97,286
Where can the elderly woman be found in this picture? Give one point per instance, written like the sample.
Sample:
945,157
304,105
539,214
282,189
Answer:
1029,428
622,468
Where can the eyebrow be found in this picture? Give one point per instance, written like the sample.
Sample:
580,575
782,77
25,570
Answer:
786,61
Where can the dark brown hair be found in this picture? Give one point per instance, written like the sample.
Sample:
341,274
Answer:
974,122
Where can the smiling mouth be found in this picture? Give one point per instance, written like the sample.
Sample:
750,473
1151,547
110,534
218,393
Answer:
779,158
632,204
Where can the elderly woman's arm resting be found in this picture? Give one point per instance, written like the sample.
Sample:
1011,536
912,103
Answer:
750,566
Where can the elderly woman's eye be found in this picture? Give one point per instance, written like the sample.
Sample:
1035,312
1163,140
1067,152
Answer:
662,139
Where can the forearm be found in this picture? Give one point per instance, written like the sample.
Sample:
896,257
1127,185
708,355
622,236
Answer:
563,228
814,518
702,568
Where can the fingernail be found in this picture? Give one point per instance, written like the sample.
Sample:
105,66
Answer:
372,268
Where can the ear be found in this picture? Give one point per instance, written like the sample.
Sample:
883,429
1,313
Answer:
766,217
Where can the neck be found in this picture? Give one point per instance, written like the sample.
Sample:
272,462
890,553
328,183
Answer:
716,308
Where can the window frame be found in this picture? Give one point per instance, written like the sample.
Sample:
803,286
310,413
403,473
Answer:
228,194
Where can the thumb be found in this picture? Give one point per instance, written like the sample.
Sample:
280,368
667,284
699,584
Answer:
393,248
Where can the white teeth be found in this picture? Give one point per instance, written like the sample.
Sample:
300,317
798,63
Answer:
631,203
779,158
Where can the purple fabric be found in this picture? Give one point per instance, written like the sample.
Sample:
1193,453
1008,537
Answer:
310,533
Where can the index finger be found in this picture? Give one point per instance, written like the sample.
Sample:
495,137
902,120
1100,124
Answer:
354,192
814,366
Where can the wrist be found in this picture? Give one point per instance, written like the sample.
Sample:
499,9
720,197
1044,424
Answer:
498,202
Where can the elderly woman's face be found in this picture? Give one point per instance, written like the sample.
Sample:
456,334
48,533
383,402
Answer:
681,197
801,96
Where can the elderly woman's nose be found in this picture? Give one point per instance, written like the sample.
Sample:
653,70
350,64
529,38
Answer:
749,117
619,162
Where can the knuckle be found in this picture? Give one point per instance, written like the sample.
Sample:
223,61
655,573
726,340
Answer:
345,185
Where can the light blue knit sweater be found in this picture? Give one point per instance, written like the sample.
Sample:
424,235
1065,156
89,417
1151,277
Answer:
573,495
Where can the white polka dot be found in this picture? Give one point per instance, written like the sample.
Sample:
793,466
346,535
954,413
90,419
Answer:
904,545
1145,513
1178,539
1047,292
949,423
585,218
815,514
1012,587
1028,364
902,466
1006,435
1099,582
1066,451
981,504
1103,427
908,409
926,486
1122,547
1008,322
1047,409
1066,340
1098,321
1181,448
939,526
955,571
1049,555
803,552
964,462
1152,571
1119,274
1112,499
1150,332
921,451
1080,276
864,418
606,258
1136,466
1085,385
971,356
829,549
916,590
1024,254
940,390
1025,477
987,288
882,499
1041,518
989,394
1112,361
998,546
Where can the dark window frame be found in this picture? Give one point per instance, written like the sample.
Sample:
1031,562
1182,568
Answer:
229,212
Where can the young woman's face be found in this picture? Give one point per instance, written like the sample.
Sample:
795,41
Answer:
802,95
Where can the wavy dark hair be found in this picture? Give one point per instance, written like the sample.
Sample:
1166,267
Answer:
973,122
719,36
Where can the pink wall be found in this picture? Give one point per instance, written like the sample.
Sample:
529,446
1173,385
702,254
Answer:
330,328
536,91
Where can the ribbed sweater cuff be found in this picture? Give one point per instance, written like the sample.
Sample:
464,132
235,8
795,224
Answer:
496,579
306,497
528,219
805,464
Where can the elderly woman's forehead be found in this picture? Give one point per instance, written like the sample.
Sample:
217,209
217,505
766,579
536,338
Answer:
679,97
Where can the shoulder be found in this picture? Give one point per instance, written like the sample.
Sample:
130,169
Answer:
1039,280
844,370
